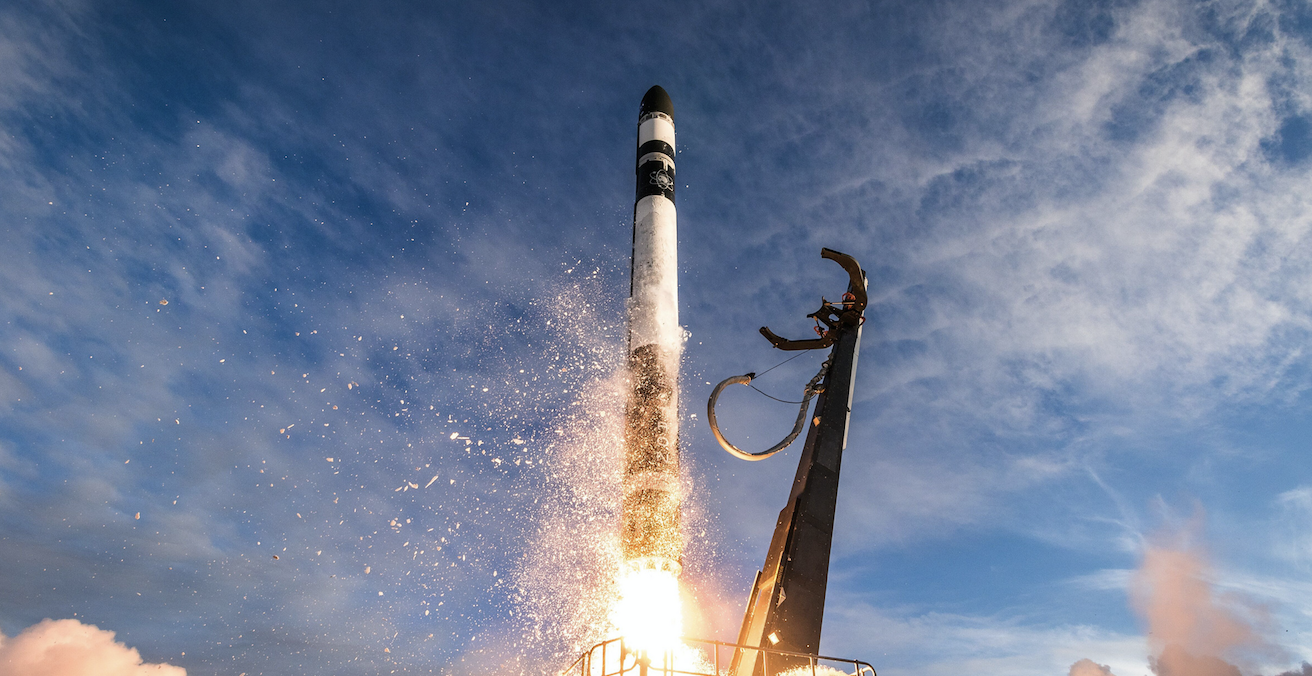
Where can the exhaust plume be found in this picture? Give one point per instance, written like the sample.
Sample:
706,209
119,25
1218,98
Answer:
1087,667
1175,661
1192,629
1172,593
70,648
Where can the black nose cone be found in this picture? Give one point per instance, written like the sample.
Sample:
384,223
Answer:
656,100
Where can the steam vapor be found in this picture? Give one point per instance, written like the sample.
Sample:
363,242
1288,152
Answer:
70,648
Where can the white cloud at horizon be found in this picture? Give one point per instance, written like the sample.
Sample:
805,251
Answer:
71,648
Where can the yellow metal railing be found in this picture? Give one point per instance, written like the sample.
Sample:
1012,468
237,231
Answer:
614,658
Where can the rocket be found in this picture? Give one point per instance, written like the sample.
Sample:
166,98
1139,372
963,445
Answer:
650,535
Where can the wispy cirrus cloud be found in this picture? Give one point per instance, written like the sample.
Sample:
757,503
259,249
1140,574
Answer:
1122,256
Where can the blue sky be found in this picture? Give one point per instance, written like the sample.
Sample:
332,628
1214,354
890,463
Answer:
243,239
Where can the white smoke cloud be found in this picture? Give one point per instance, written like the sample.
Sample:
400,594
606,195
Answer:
70,648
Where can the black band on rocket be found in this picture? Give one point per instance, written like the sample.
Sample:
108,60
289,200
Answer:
655,177
655,146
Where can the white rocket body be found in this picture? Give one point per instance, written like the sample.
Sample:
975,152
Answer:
651,535
654,295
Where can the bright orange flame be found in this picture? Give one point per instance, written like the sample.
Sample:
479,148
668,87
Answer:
648,612
649,615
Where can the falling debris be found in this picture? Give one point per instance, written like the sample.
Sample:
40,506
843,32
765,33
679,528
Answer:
138,516
163,301
430,481
275,557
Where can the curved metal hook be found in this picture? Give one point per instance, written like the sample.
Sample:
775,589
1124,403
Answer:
788,345
846,314
856,279
812,388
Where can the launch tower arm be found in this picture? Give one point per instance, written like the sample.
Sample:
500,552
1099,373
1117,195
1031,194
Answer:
786,607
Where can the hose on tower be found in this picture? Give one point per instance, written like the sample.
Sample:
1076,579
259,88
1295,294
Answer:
812,388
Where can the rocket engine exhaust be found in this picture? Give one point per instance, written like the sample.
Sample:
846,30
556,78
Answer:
650,534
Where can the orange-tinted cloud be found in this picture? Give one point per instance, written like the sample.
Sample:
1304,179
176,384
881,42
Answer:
70,648
1193,629
1088,667
1172,593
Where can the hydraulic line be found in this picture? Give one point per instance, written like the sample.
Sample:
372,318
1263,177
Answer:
812,388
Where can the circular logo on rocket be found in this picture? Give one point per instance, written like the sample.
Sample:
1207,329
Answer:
662,180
